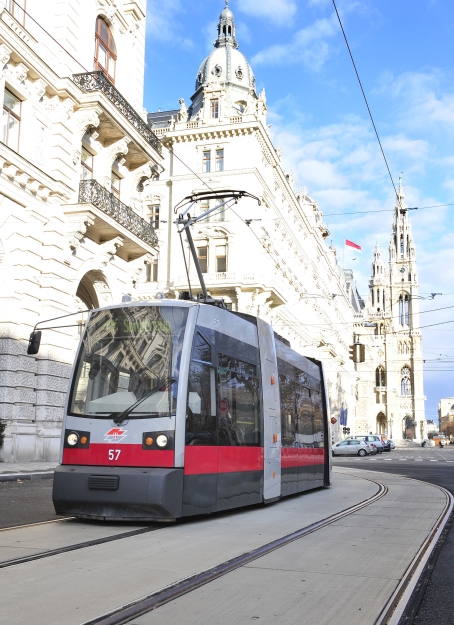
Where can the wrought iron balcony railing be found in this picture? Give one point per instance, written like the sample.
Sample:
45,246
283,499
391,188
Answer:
91,192
98,81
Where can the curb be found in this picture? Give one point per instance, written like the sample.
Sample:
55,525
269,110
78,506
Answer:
40,475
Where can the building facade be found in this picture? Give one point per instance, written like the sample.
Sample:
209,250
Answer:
74,157
270,260
445,413
390,385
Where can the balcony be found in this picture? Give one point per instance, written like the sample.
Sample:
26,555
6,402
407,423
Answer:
108,218
98,81
225,284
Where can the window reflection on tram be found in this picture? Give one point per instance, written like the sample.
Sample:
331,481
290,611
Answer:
129,354
223,399
301,408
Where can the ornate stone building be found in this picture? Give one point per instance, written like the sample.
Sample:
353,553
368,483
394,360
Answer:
75,154
390,386
270,260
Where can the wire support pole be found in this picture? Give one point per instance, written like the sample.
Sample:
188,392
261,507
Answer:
185,264
197,265
365,100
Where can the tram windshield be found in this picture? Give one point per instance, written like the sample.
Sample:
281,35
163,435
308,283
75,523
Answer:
129,363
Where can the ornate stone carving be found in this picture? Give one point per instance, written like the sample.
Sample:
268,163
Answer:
183,112
5,54
83,120
21,72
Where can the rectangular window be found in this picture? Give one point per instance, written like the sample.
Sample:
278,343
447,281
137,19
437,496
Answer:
205,206
202,255
152,271
16,8
206,165
238,402
221,258
11,120
214,108
153,215
86,165
115,184
219,160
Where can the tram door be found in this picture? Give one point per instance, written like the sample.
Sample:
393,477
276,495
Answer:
271,413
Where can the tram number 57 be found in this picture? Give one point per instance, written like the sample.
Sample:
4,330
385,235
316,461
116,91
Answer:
114,454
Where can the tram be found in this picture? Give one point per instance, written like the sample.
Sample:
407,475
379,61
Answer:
179,408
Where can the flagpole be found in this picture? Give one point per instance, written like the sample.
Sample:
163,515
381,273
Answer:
343,259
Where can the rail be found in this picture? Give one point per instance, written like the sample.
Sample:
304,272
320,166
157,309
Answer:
91,192
98,81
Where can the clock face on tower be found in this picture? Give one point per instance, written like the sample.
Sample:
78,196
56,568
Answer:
403,269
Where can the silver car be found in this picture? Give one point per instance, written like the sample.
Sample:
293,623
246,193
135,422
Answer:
373,440
351,447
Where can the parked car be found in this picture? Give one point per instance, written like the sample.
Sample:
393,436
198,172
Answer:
392,443
427,442
388,445
372,439
351,447
441,440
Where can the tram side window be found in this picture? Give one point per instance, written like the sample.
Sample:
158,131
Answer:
202,349
318,420
288,412
305,415
239,402
201,411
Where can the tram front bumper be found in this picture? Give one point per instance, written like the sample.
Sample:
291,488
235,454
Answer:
118,493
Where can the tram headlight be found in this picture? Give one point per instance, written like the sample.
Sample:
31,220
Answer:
72,439
162,441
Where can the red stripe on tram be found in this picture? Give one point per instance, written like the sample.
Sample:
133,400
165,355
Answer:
299,457
130,456
199,460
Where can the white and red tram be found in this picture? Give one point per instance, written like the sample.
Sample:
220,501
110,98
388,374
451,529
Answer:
179,408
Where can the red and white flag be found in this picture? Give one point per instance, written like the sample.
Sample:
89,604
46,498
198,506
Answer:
353,245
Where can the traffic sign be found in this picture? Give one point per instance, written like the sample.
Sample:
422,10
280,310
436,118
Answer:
333,420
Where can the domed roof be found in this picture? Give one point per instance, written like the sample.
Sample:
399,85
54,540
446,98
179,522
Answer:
226,14
226,64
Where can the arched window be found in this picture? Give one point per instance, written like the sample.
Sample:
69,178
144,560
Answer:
401,310
402,245
407,309
105,50
380,377
383,299
372,297
405,386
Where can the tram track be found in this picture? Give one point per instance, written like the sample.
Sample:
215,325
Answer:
147,603
74,547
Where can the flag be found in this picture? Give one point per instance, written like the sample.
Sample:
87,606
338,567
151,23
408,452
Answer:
353,245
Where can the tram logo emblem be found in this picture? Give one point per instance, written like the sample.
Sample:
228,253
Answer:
115,435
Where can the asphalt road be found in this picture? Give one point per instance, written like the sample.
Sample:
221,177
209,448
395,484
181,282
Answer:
437,467
28,501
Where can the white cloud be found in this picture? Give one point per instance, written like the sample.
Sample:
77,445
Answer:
162,22
308,46
424,100
280,12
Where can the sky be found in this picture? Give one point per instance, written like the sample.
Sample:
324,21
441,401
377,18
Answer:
403,52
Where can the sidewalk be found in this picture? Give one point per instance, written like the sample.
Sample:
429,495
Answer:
10,471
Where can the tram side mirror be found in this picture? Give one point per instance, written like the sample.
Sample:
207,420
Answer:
34,342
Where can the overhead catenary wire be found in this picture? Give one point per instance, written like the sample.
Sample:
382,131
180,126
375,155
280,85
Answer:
365,99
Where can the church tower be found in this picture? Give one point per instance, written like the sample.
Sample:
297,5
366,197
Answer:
390,390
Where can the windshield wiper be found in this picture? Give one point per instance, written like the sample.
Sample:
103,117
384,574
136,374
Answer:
122,416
